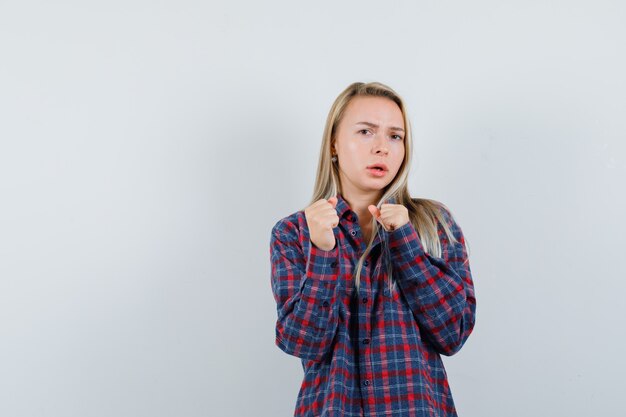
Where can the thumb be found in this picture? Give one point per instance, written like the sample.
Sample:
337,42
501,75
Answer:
375,211
333,200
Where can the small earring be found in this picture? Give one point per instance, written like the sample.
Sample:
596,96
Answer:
334,158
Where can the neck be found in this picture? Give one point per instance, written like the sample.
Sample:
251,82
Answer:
359,203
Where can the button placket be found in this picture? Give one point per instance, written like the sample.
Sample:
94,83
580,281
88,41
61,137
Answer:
353,230
366,333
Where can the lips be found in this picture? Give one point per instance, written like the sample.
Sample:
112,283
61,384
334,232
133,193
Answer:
379,166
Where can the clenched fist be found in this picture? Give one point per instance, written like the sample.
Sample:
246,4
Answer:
321,218
390,216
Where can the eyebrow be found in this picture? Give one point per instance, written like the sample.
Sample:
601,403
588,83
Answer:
376,126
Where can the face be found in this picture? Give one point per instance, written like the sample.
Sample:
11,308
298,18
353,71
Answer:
371,132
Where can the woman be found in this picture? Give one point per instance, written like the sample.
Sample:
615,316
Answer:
371,285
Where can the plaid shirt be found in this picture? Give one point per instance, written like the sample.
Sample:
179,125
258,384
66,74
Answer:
378,354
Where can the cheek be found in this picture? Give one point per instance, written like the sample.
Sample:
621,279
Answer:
399,154
354,163
355,156
397,165
352,147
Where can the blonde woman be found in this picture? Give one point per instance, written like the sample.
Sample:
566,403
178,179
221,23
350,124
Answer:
371,285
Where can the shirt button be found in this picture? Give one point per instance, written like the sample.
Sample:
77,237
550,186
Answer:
366,341
333,264
353,232
366,263
366,383
325,303
364,300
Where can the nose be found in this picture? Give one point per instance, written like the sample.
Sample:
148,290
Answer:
379,145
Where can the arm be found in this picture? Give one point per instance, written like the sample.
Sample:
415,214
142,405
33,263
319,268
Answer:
304,290
439,291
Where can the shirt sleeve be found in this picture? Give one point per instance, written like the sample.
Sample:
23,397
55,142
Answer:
439,291
304,290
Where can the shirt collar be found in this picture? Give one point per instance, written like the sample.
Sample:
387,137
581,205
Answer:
342,206
343,209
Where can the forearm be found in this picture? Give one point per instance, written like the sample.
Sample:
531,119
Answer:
439,292
305,293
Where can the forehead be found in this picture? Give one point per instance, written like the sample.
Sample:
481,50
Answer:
379,110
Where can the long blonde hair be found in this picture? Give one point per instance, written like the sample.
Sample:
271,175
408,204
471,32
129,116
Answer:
423,213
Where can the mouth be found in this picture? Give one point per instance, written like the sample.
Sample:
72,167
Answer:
377,171
378,167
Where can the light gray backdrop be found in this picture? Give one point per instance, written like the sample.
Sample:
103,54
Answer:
147,148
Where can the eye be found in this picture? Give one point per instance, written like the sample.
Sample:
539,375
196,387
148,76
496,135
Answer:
398,136
363,130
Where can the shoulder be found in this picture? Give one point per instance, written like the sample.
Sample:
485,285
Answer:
290,237
292,226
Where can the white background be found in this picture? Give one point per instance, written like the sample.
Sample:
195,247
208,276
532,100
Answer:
148,147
